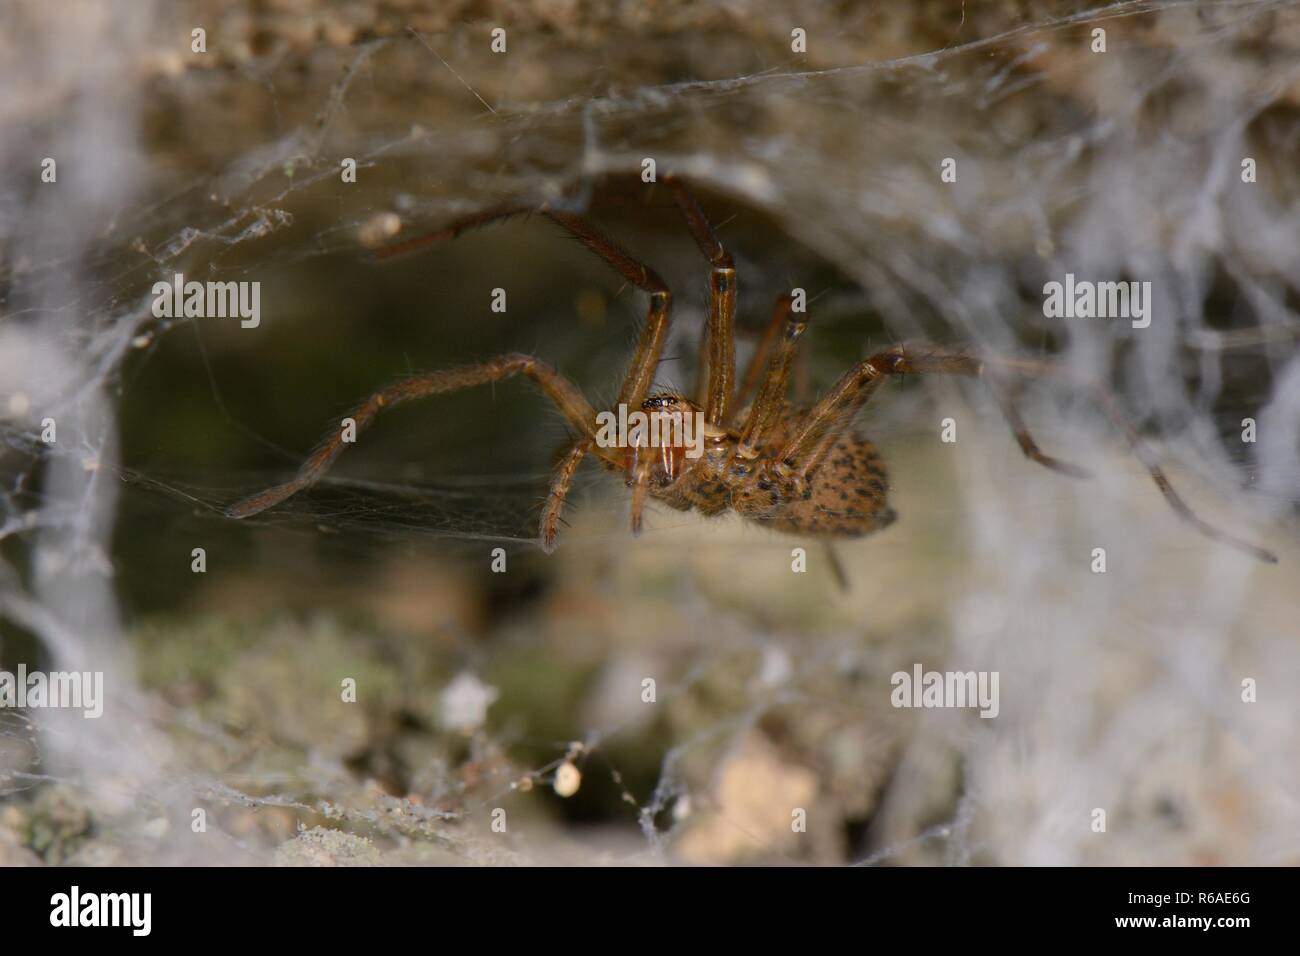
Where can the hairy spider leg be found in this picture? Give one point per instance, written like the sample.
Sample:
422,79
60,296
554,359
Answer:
566,396
641,372
758,361
576,409
561,481
771,394
719,341
719,349
806,449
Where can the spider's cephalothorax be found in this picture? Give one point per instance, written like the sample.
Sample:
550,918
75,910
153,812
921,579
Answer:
798,470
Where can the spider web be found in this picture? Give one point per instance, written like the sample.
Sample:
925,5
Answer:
821,169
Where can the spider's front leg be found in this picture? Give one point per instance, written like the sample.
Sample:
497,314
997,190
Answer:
566,396
580,414
559,492
640,374
804,452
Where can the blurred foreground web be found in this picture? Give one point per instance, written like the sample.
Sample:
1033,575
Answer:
1125,164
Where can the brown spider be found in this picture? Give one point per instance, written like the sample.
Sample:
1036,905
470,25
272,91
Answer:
801,471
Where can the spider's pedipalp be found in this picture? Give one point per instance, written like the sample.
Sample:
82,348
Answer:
640,485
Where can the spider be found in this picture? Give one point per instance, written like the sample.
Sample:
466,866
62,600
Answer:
799,470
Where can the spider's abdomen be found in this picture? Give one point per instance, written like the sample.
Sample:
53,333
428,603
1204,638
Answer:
847,496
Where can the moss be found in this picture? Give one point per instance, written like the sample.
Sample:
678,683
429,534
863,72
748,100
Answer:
320,846
196,650
57,824
539,689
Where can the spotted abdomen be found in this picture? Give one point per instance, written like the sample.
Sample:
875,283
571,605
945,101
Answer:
846,498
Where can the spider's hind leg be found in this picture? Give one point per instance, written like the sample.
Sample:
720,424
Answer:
837,566
803,453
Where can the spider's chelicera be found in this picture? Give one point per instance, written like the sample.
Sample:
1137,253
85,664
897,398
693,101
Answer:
798,470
